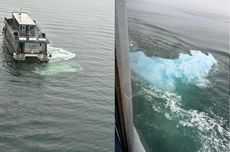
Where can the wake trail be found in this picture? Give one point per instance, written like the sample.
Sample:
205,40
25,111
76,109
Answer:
57,64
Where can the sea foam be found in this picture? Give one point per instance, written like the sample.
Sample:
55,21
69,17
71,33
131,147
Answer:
59,54
211,132
163,73
56,64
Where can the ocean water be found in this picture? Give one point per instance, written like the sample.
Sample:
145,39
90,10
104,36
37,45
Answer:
67,104
179,58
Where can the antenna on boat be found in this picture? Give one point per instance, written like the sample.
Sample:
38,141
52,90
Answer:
20,12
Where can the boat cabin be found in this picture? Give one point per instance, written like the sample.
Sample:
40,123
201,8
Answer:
24,37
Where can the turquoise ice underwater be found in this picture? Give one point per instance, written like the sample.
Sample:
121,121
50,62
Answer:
164,73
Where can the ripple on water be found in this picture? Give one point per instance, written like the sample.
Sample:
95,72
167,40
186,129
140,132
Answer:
211,133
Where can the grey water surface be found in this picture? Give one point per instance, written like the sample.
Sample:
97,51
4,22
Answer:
67,104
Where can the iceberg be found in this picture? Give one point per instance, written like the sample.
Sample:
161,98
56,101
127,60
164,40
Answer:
164,73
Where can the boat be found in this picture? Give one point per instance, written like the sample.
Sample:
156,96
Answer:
23,39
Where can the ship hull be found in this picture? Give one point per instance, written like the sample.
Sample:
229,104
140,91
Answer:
24,56
25,45
9,45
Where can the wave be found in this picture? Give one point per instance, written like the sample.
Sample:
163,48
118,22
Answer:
137,145
56,66
164,73
59,54
212,135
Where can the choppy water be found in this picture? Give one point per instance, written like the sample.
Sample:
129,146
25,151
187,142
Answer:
180,68
66,105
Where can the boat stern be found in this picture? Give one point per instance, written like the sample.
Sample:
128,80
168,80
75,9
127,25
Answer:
29,56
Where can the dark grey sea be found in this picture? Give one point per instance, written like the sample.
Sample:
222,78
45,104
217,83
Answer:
66,105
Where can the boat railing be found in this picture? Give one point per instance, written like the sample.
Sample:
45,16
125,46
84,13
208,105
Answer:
38,36
8,25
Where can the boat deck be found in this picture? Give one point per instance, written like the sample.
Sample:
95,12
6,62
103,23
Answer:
34,34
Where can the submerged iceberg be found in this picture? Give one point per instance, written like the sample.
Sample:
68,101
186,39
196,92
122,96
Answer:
163,73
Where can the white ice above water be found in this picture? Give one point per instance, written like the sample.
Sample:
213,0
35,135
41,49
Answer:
163,73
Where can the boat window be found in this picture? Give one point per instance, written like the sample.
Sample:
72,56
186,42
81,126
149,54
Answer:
21,45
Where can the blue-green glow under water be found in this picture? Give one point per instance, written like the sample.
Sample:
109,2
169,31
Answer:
163,73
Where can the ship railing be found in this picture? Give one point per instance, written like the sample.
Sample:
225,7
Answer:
8,25
17,36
